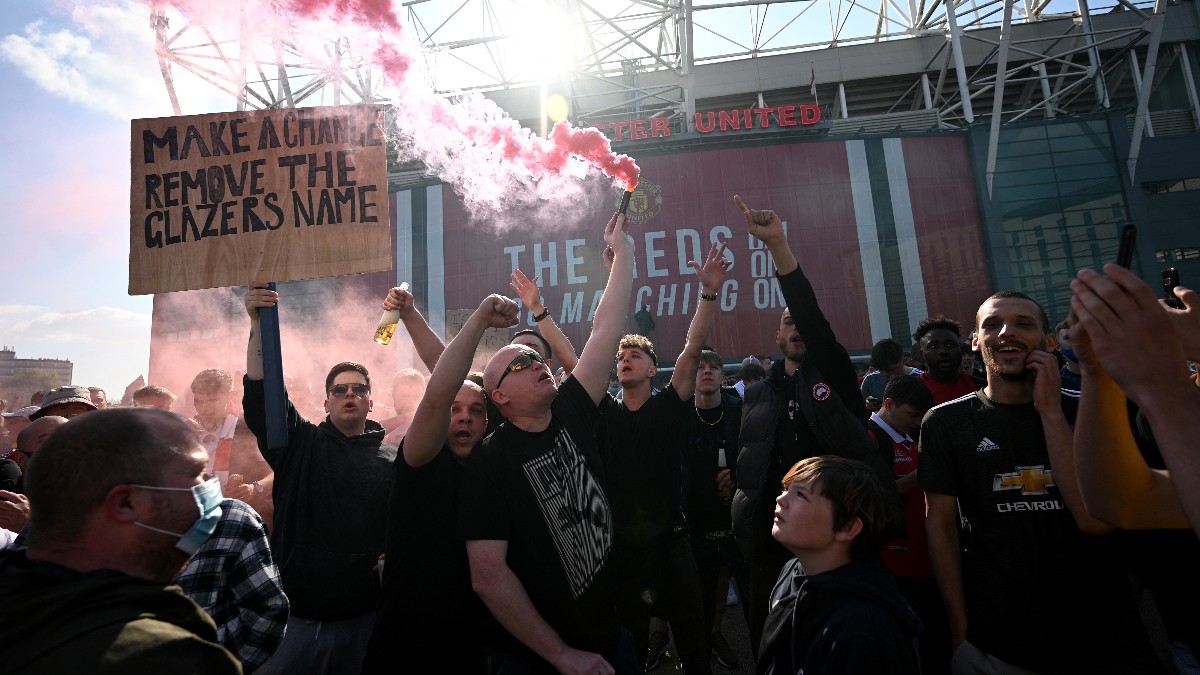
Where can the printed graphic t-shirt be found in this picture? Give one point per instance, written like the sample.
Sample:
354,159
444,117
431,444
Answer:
542,494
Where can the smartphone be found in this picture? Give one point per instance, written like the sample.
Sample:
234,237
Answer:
1170,279
1125,253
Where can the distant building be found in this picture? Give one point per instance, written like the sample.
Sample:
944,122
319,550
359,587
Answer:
18,389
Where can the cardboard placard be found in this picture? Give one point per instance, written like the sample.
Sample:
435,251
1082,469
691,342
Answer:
271,195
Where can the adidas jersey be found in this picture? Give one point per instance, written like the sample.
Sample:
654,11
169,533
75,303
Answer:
1027,569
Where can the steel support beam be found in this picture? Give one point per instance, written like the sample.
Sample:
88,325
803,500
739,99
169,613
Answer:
1095,70
159,21
1045,79
687,66
998,94
1141,122
1189,81
960,68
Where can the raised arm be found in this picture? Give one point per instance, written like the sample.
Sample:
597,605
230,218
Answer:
712,276
1118,486
1187,321
505,596
609,323
432,419
428,345
766,226
531,295
1047,400
257,297
1134,341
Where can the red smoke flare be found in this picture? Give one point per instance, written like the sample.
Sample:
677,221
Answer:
592,145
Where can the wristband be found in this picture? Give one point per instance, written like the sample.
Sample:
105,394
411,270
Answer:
545,313
710,298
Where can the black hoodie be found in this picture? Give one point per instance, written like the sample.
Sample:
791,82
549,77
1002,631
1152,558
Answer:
55,620
331,506
851,620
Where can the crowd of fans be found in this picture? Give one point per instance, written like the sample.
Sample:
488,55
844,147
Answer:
995,501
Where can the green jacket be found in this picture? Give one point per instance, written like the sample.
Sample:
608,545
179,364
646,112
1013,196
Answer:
56,620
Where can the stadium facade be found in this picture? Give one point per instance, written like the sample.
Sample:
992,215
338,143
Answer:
901,196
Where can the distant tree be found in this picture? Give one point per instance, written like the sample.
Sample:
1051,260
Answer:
27,382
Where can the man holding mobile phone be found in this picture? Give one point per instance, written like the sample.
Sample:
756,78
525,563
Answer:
1006,523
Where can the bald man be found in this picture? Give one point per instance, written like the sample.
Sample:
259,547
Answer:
32,437
533,509
14,507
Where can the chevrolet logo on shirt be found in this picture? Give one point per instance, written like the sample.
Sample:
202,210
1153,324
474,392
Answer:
1030,480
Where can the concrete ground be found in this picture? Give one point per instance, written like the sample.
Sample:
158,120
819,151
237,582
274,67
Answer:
737,633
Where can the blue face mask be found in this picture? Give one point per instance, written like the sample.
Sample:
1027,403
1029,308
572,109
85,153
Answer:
208,503
1069,354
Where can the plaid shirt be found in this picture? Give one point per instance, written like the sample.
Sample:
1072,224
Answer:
235,580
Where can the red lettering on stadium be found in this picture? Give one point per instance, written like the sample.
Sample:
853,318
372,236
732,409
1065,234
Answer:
805,114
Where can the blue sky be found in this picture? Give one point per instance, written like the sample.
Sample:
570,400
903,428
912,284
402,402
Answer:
73,77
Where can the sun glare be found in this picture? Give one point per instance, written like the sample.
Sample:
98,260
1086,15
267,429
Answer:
542,44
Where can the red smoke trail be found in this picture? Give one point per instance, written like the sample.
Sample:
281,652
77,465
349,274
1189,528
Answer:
592,145
469,142
375,14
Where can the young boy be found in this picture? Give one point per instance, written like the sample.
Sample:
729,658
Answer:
835,608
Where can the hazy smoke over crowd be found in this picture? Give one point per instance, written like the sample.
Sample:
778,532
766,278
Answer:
322,321
503,172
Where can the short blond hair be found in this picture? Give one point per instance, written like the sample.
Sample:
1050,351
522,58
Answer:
635,341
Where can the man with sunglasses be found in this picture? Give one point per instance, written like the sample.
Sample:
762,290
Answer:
331,495
534,511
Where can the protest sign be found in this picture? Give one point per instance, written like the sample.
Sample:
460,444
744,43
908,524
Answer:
273,195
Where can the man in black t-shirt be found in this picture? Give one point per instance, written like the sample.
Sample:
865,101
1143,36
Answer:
533,509
642,450
429,619
1024,586
709,456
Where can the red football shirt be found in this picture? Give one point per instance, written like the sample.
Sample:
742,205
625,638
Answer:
948,392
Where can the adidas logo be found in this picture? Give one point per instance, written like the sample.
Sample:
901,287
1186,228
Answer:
986,445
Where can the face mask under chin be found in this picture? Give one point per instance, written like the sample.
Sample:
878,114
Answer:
208,504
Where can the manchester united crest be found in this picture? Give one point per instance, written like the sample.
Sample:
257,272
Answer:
645,203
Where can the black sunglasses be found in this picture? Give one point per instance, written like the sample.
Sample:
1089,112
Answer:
522,362
359,390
